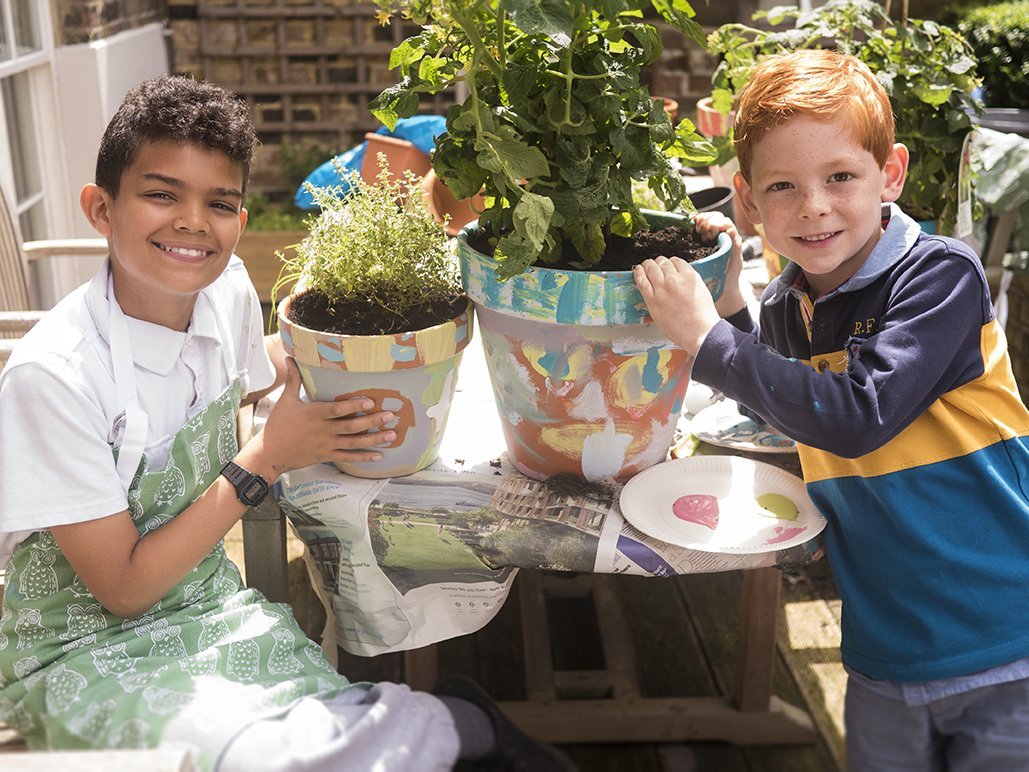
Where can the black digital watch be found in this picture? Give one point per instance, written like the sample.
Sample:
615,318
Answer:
250,488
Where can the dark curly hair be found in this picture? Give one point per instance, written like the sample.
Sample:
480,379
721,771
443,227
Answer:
178,108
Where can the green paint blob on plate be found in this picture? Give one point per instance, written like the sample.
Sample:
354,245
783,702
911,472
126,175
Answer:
777,505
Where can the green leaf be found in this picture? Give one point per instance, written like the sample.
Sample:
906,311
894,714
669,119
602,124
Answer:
430,69
934,94
394,103
621,225
679,14
513,157
548,17
722,100
649,39
513,253
590,245
532,216
404,54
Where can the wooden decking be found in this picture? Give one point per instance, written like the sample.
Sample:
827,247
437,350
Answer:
684,637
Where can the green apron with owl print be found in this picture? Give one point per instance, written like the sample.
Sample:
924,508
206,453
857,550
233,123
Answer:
208,658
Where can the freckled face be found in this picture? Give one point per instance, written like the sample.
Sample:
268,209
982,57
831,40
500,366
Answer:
818,193
171,229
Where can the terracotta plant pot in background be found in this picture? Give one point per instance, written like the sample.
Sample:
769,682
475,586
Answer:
413,374
585,383
401,155
711,124
441,202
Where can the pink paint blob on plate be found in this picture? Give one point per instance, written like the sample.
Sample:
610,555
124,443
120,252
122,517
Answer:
784,534
699,508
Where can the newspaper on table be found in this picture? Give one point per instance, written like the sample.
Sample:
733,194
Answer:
409,561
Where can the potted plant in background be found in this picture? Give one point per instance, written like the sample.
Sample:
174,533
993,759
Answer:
999,36
555,127
927,68
378,312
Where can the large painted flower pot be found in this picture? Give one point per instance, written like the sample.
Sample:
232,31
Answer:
412,374
585,382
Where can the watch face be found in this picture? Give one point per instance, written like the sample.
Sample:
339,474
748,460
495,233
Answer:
253,490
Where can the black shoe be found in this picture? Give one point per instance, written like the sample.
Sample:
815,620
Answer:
516,751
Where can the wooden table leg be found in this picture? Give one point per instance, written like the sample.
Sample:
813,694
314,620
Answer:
752,716
264,550
421,667
758,614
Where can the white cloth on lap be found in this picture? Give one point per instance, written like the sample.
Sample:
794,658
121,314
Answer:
387,727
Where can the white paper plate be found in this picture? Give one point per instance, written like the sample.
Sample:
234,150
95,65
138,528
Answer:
721,504
722,425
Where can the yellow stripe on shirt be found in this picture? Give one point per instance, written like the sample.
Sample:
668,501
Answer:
976,415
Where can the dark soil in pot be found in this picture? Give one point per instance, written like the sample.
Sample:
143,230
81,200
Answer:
312,309
622,253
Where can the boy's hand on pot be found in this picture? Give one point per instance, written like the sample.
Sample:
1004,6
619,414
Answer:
300,433
709,225
678,299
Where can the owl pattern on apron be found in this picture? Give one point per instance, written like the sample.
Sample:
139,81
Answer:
210,657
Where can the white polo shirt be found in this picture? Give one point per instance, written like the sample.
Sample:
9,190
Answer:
59,409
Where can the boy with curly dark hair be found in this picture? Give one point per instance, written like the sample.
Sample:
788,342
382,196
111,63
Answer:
124,625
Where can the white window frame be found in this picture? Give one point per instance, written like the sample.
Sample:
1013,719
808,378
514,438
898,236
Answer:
37,67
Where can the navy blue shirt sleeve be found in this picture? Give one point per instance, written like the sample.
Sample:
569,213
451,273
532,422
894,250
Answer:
927,341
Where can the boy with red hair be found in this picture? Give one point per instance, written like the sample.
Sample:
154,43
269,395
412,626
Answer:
878,351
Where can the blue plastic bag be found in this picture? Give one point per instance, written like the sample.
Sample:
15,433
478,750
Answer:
420,130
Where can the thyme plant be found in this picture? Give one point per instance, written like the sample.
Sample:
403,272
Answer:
556,123
377,243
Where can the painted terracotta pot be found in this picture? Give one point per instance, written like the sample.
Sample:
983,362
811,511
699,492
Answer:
585,383
710,122
412,374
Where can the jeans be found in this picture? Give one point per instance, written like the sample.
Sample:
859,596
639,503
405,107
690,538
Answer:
984,729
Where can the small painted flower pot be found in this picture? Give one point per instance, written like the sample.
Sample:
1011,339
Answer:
412,374
585,383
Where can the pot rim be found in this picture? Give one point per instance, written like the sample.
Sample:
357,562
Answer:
283,306
571,296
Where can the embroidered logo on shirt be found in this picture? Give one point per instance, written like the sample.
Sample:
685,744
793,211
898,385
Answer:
865,327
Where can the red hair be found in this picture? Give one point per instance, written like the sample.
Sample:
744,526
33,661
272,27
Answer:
819,83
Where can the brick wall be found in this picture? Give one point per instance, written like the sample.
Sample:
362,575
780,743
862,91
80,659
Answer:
338,63
83,21
308,68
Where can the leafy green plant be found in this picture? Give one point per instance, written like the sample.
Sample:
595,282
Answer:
999,35
377,245
556,124
928,70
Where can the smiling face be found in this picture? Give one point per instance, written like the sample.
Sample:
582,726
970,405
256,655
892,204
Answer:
171,229
818,193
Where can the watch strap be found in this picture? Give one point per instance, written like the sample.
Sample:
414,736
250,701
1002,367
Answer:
250,488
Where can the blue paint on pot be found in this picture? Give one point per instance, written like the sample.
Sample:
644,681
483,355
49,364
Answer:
403,353
329,353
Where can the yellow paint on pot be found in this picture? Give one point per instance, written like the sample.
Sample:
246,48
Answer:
437,343
568,439
572,364
305,345
369,354
629,384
